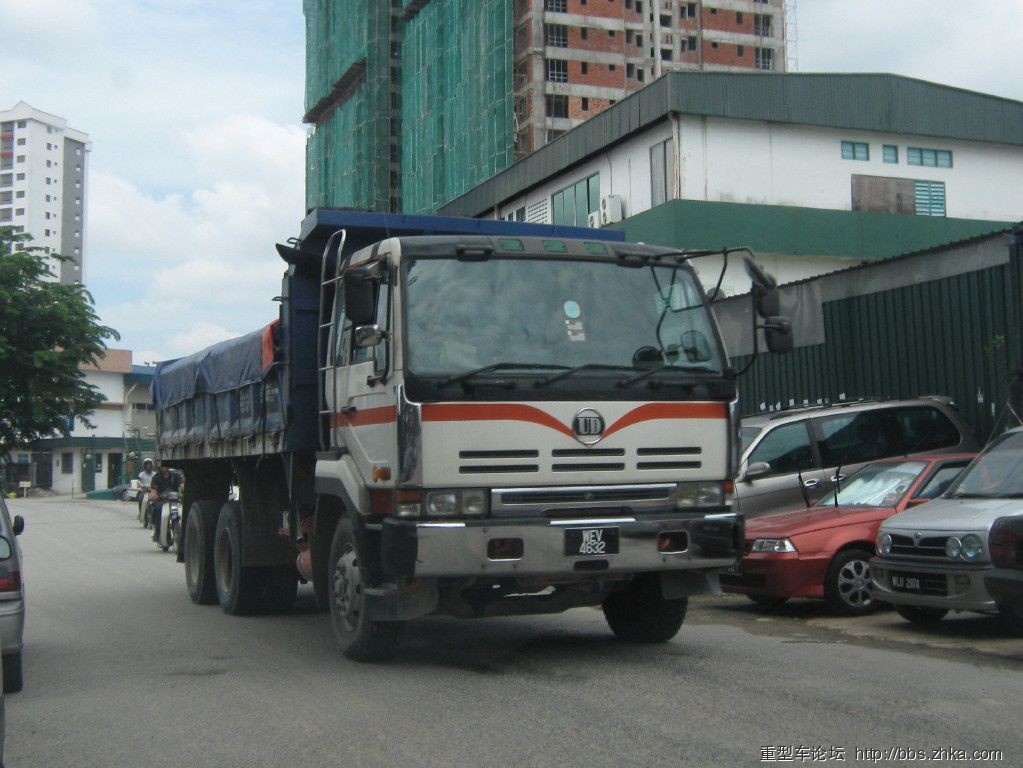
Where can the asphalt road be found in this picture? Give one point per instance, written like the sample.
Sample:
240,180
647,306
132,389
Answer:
122,670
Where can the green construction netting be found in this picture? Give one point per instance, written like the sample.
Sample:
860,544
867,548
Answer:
456,96
451,100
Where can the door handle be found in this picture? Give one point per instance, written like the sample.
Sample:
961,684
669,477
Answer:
811,483
349,409
838,479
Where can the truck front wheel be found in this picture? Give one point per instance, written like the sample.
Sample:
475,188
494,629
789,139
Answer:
360,637
641,614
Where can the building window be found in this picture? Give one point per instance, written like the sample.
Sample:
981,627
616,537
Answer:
764,58
740,51
585,103
583,32
692,43
5,214
19,159
557,70
738,17
930,198
557,106
640,73
630,70
556,6
585,68
19,211
933,158
99,462
67,463
573,204
556,35
665,54
19,194
660,175
761,25
855,150
21,142
890,153
666,21
6,180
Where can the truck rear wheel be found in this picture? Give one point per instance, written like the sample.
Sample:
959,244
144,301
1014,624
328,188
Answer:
641,614
360,637
239,589
200,530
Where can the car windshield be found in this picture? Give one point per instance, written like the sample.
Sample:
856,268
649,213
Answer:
997,473
466,315
876,485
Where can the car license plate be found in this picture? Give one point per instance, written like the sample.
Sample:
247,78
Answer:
905,582
591,541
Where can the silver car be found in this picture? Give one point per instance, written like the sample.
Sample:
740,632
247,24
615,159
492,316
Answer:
12,599
933,559
794,458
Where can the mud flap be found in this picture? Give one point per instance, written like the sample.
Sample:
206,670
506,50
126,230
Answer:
678,584
389,602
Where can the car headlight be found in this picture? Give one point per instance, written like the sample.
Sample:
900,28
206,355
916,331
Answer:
884,543
773,545
700,495
953,548
456,503
973,547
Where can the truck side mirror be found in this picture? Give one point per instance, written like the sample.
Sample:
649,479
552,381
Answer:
360,307
778,334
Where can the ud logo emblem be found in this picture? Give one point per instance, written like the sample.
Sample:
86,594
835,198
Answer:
588,426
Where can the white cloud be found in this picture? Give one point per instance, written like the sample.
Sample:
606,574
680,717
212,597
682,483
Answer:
179,272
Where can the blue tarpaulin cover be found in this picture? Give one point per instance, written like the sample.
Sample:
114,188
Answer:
225,366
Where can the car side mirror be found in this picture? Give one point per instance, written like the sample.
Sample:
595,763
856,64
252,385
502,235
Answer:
19,525
757,469
916,502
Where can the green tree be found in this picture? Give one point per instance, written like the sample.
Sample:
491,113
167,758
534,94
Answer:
47,329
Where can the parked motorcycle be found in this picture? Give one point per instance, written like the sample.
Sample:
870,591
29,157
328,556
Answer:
170,522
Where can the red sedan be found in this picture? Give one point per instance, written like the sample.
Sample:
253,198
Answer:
823,551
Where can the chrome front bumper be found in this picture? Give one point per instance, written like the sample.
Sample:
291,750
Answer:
460,548
964,585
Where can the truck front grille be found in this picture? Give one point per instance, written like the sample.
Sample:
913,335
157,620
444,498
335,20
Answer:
681,458
545,502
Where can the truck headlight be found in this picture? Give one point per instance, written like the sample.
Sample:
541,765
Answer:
470,502
884,543
773,545
700,495
973,547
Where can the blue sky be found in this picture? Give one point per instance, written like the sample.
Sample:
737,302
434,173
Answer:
194,107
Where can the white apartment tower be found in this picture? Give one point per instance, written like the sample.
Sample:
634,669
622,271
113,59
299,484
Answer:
42,184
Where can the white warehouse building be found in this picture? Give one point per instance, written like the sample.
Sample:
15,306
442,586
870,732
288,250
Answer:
814,172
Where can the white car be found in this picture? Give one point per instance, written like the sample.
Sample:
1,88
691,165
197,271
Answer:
933,558
12,599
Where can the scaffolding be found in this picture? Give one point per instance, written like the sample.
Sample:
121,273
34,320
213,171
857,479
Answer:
410,100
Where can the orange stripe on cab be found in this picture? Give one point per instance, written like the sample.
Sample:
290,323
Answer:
652,411
493,412
362,418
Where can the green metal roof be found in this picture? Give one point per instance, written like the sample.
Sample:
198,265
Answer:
869,102
798,231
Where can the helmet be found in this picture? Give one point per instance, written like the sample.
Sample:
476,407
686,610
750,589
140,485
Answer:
147,463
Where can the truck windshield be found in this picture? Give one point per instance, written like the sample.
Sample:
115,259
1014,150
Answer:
463,315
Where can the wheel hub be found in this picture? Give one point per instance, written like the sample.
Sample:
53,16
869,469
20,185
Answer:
854,584
348,595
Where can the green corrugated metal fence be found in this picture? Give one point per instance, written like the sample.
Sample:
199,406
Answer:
957,336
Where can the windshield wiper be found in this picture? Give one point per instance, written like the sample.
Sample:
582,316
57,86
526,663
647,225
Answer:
497,367
658,369
585,367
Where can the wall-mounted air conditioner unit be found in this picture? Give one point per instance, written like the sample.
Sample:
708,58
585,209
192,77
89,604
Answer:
610,209
593,220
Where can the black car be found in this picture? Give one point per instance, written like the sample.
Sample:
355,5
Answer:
1005,581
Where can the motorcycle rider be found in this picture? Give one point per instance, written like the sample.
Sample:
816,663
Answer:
146,480
163,483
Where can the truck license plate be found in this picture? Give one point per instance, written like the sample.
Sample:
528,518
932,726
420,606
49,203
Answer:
905,583
591,541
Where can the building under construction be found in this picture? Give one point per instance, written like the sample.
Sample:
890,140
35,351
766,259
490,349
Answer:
413,102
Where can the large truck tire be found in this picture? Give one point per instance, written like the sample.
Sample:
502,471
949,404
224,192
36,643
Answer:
280,588
360,638
200,531
239,590
641,614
